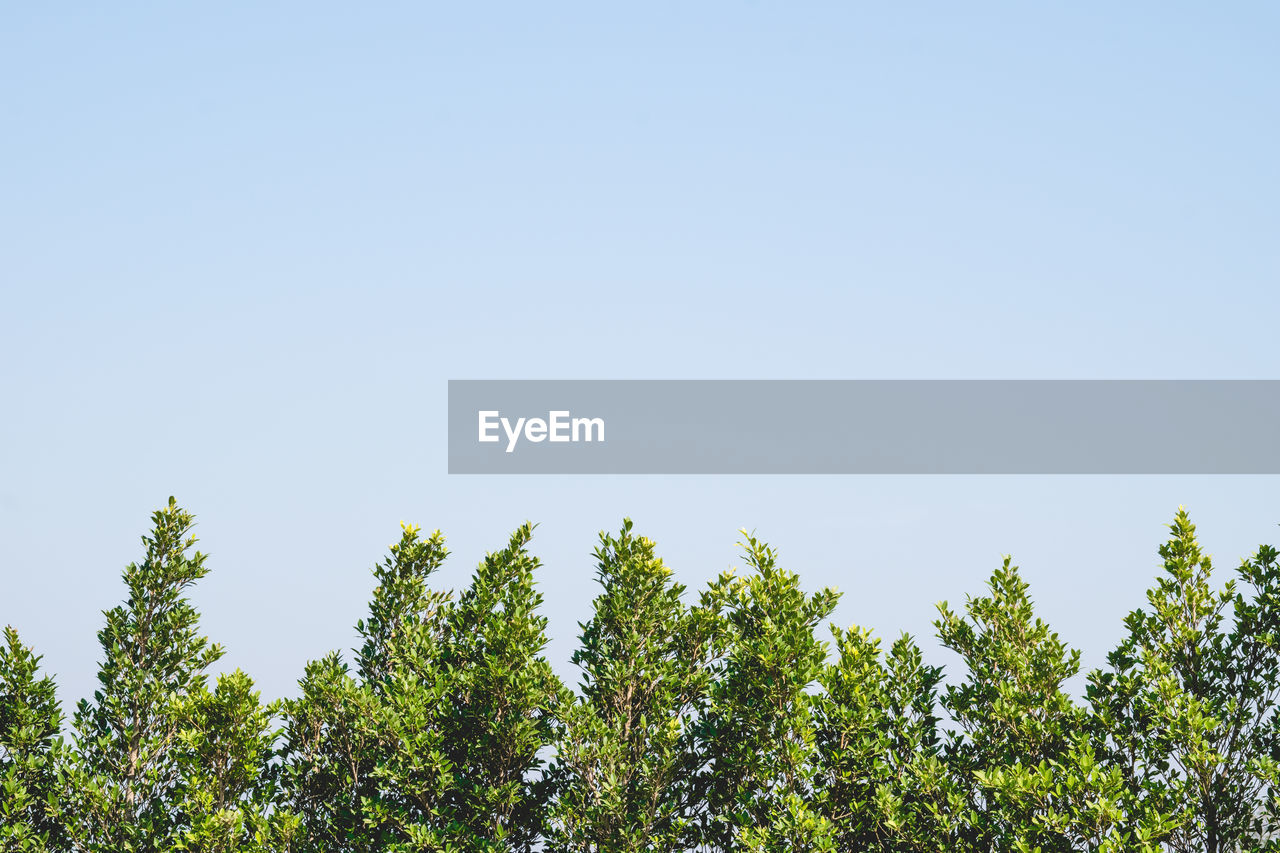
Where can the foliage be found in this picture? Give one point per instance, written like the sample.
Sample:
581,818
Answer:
757,731
1188,702
1015,719
503,702
434,742
161,762
1026,756
626,764
718,725
880,782
30,751
348,733
226,797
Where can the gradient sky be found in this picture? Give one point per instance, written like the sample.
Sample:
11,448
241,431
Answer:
243,247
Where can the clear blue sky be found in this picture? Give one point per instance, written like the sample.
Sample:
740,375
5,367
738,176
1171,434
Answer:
243,247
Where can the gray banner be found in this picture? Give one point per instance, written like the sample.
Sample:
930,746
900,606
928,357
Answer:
864,427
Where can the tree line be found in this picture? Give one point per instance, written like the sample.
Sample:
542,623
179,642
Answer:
717,722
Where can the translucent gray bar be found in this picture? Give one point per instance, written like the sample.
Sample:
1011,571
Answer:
866,427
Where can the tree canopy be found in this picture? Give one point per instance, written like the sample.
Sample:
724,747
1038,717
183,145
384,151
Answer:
730,720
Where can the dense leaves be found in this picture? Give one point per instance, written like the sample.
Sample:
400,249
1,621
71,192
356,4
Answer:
1188,703
724,722
758,730
160,761
1014,718
30,752
363,750
879,779
434,742
627,766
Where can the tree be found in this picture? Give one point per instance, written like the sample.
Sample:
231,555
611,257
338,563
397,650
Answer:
503,704
30,752
162,763
880,782
1188,703
226,797
330,750
626,763
1016,722
434,742
757,729
362,751
716,726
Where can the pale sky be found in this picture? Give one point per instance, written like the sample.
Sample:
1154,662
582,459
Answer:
244,248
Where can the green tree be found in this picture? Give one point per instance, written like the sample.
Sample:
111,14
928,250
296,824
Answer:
880,782
758,730
1188,703
330,750
162,763
1014,718
406,802
503,704
720,726
30,752
363,760
226,798
434,742
626,763
1028,760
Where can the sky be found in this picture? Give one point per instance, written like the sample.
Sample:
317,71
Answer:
243,248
